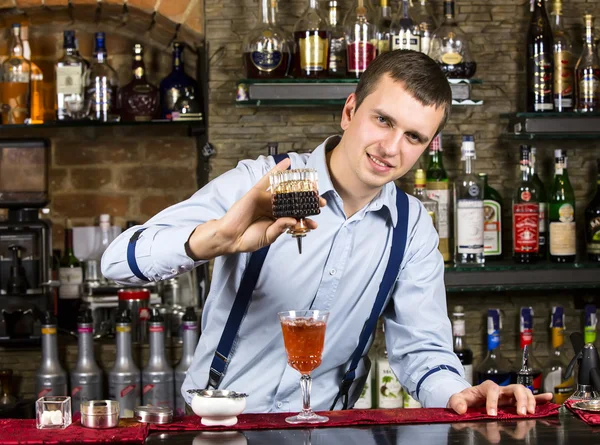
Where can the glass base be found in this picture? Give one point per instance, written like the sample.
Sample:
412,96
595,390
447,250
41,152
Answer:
308,417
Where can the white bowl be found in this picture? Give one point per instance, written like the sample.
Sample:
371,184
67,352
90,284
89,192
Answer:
217,407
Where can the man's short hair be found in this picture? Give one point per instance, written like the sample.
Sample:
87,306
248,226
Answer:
420,75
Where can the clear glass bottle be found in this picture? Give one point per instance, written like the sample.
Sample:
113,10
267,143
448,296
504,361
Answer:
540,61
420,193
405,32
311,37
534,369
492,214
590,322
592,222
494,366
439,190
587,71
427,24
337,46
462,351
139,98
564,88
525,215
383,24
70,77
563,236
102,85
36,96
450,47
468,214
267,48
174,85
543,204
361,38
16,76
554,371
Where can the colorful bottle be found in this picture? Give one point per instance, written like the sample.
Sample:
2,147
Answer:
36,96
102,85
438,189
540,61
587,71
337,44
554,374
361,39
494,367
542,202
427,25
592,222
534,369
525,215
50,377
564,91
383,24
189,323
405,32
420,193
70,76
16,77
462,351
589,328
562,213
492,214
157,375
311,36
139,98
175,84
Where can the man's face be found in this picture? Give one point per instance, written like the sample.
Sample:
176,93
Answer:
387,134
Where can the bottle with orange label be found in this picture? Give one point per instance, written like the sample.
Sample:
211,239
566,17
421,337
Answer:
554,375
50,378
525,214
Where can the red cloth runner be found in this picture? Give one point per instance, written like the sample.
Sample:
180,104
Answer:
587,416
358,417
24,432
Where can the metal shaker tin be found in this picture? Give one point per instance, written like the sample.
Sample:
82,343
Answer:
100,413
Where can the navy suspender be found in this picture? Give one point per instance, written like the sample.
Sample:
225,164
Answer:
131,255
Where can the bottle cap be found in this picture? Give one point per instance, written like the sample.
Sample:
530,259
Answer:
526,319
558,317
459,310
559,153
105,217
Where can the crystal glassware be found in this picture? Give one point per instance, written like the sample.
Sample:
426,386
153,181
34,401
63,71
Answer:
304,337
53,412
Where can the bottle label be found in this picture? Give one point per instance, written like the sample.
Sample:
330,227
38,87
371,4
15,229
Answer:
563,79
360,55
451,58
365,401
86,330
558,337
266,61
123,328
593,246
469,217
337,56
383,46
389,388
438,191
314,52
190,327
468,373
69,79
425,43
48,331
71,279
542,85
562,238
156,329
492,228
525,228
493,340
588,86
406,40
458,328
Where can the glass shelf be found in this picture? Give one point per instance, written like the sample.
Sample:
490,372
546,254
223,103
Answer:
507,275
571,125
196,125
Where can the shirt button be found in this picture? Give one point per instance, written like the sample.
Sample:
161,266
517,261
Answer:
279,404
174,270
182,267
332,272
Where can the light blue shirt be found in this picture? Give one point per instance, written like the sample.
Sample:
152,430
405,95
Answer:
339,270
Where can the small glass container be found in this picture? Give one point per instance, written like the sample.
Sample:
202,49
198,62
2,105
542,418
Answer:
53,412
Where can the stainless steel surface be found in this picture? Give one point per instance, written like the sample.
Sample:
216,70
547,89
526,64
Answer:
154,414
50,378
217,393
157,375
190,340
588,405
86,378
100,413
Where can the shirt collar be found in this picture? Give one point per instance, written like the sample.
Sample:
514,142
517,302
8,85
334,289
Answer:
317,160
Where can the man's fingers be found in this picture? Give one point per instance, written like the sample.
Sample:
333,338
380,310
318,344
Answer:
521,395
322,201
491,404
458,404
264,182
543,398
278,227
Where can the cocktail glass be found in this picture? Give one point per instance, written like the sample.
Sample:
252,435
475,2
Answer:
304,337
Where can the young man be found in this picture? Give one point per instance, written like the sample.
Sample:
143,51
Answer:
402,101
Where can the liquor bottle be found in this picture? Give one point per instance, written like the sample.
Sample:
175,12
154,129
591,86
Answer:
50,377
409,401
438,189
124,380
189,323
468,214
70,75
337,45
102,85
383,25
139,98
36,87
526,211
494,367
540,61
562,213
365,401
554,372
157,375
389,390
16,76
426,23
587,71
542,202
86,378
450,47
311,37
173,86
70,275
361,43
492,221
526,337
592,222
564,90
405,33
267,48
420,193
590,321
462,351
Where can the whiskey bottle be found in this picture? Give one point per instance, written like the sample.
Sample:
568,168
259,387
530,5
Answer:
562,213
493,367
420,193
405,33
563,62
525,215
592,222
311,36
102,85
543,204
36,96
554,372
492,221
526,338
139,98
426,23
70,74
468,205
267,48
590,321
462,351
16,76
175,84
587,71
360,38
540,61
337,45
438,189
383,24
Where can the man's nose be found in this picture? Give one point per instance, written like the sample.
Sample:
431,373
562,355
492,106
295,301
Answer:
392,144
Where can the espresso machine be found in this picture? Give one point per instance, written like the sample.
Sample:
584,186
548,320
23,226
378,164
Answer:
25,240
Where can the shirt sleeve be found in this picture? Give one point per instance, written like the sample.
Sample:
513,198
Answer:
160,249
417,329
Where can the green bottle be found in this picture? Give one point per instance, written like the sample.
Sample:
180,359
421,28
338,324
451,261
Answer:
492,221
592,222
438,189
70,275
562,213
543,202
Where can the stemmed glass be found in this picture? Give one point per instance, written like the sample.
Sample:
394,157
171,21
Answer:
304,337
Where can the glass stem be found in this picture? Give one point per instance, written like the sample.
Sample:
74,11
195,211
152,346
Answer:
305,385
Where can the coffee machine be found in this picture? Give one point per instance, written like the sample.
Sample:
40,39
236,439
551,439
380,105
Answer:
25,239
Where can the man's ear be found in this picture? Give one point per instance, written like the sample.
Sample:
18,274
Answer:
348,111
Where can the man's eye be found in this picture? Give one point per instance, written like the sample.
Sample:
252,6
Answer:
413,137
382,120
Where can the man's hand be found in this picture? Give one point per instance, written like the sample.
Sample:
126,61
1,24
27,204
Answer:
491,396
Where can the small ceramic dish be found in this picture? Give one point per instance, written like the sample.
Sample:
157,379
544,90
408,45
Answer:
217,407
